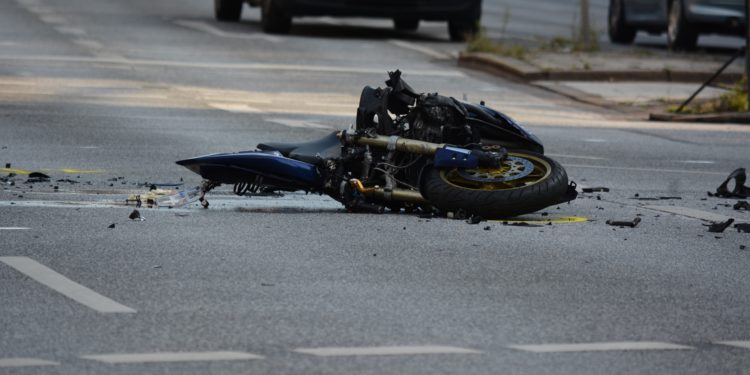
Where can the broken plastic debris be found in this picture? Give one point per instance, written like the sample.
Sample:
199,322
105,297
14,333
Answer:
719,227
136,215
740,190
37,177
179,199
742,228
595,189
111,226
742,205
631,224
474,219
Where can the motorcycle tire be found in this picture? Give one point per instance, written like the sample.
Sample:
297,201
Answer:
526,182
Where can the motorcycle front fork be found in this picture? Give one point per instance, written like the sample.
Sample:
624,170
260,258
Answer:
206,186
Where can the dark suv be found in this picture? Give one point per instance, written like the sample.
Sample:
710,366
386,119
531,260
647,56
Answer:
683,20
276,15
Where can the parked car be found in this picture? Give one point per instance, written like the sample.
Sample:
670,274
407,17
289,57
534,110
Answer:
276,15
682,20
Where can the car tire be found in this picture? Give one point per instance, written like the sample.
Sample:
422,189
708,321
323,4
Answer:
228,10
273,19
619,31
406,24
681,35
463,29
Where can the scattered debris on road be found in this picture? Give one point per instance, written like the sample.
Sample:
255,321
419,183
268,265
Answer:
595,189
136,215
474,219
745,228
740,190
35,177
111,226
719,227
742,205
622,224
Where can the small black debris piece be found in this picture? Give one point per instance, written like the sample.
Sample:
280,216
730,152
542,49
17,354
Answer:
668,198
595,189
742,228
545,214
719,227
631,224
135,215
488,228
67,180
111,226
742,205
474,219
520,224
743,247
157,266
598,197
266,284
7,165
35,177
740,190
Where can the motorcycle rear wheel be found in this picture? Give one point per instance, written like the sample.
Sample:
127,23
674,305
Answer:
526,182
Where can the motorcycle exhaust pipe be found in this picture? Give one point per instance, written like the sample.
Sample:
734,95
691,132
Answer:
393,143
401,195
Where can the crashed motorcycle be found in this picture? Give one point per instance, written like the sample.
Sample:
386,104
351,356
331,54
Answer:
407,150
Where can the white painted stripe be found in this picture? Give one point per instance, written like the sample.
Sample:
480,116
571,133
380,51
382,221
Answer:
657,170
739,344
210,29
171,357
88,43
52,19
384,350
689,212
421,49
64,286
25,362
234,107
697,161
298,123
14,228
76,31
600,347
595,140
576,157
236,66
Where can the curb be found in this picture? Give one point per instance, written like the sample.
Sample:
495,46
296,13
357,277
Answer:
734,118
512,67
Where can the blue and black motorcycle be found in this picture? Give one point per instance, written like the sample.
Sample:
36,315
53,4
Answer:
417,152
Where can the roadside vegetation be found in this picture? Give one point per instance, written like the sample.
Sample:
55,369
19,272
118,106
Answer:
735,100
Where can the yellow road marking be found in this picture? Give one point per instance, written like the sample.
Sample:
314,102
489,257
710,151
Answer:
545,220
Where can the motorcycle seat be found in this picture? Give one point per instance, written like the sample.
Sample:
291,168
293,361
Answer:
313,152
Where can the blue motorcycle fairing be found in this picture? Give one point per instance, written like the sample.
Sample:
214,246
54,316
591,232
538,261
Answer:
455,157
498,127
245,166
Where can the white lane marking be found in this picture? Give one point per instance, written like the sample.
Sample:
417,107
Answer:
89,147
738,344
234,107
210,29
689,212
64,286
88,43
595,140
40,9
235,66
299,123
54,20
600,347
697,161
384,350
421,49
657,170
14,228
171,357
576,157
75,31
25,362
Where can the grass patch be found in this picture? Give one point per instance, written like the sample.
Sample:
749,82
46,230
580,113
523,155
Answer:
481,43
733,101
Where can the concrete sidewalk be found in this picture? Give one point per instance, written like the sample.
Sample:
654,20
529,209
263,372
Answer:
634,81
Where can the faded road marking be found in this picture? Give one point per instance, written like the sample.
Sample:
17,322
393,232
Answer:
384,350
636,169
738,344
600,347
576,157
234,107
210,29
25,362
299,123
14,228
64,286
421,49
689,212
171,357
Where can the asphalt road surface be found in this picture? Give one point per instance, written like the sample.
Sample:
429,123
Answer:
104,96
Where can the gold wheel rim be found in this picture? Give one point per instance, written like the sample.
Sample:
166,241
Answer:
542,170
